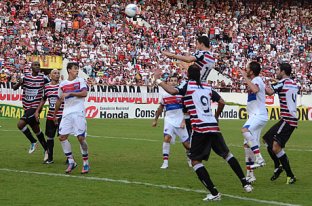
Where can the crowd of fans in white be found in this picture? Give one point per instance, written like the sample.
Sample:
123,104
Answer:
114,49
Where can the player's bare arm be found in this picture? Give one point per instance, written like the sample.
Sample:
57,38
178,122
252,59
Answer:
187,59
221,105
253,88
39,109
159,111
57,107
269,91
170,89
18,84
83,93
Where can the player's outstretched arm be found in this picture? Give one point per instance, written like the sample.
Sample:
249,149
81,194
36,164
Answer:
170,89
187,59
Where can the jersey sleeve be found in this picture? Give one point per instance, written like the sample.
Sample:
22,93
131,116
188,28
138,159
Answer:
277,87
182,88
199,56
60,91
215,97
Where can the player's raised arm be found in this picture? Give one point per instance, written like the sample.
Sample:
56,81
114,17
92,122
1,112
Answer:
170,89
253,87
18,84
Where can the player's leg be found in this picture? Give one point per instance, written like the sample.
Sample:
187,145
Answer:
40,136
200,150
166,151
184,138
269,139
220,148
248,129
66,128
22,126
249,160
50,132
80,131
279,142
168,135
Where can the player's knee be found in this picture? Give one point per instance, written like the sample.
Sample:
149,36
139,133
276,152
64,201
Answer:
167,138
195,162
62,138
244,130
81,139
276,147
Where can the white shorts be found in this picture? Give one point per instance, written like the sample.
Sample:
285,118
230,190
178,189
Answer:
255,125
74,123
175,131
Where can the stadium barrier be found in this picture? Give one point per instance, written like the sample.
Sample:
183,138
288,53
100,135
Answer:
142,102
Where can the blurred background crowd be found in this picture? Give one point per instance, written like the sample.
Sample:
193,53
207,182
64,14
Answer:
113,49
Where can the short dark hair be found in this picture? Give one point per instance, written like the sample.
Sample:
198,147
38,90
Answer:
286,68
204,40
71,65
255,68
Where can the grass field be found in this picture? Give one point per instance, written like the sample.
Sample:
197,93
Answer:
125,157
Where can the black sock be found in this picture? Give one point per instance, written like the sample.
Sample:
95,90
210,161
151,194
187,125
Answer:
238,170
204,177
285,162
273,157
42,141
29,136
50,146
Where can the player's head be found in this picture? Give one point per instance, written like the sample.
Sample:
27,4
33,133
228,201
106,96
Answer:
193,73
253,68
35,67
55,75
173,80
73,69
202,42
283,71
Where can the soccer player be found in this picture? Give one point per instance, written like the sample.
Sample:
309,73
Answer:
51,93
202,57
73,92
32,85
278,135
206,134
257,119
174,124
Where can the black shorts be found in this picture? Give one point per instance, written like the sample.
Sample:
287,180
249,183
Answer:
51,128
280,132
29,117
202,143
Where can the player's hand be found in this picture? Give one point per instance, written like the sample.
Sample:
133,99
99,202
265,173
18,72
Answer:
182,125
55,120
154,124
243,73
157,74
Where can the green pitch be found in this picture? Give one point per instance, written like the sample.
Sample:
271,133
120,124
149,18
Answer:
125,158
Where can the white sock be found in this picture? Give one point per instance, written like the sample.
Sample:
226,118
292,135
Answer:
67,150
166,150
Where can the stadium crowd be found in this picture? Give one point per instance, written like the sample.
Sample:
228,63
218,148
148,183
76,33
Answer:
113,49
